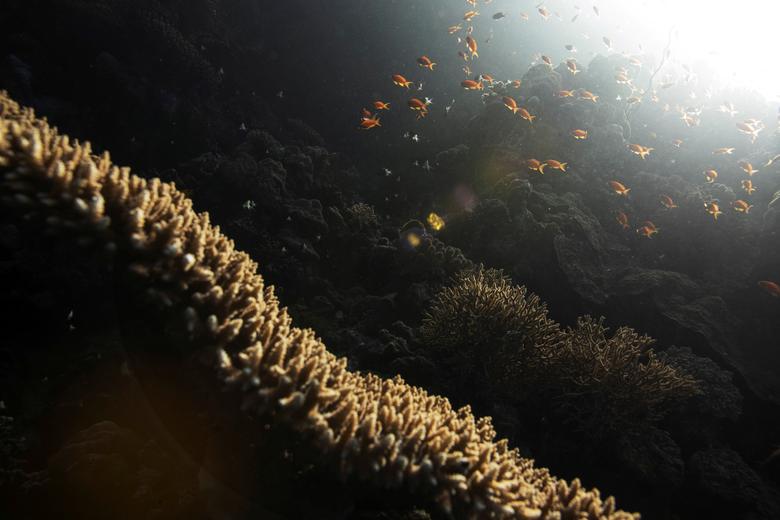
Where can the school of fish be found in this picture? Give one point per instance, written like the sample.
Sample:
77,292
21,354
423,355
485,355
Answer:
488,87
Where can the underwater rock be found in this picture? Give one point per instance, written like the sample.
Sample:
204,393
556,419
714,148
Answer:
728,484
652,457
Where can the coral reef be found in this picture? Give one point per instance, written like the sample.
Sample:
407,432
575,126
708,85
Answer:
373,429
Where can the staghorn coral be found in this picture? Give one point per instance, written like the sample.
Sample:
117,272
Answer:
485,324
614,384
377,430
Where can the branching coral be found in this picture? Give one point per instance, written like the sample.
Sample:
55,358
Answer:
483,320
376,430
486,326
607,384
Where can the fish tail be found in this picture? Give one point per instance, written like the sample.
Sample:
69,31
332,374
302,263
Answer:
541,168
432,65
563,166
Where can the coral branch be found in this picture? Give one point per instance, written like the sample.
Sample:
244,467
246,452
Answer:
383,431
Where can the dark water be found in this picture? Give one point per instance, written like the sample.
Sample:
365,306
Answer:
253,109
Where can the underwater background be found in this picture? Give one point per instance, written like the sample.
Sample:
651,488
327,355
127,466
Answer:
567,227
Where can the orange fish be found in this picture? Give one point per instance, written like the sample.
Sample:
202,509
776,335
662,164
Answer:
747,168
547,60
647,231
511,104
369,122
365,113
579,134
586,94
516,83
747,185
572,66
401,81
710,176
381,105
565,93
471,43
472,3
470,84
454,28
526,115
486,77
713,209
622,79
544,12
622,219
667,202
723,151
416,104
619,188
425,62
641,151
535,165
677,142
469,15
741,206
770,287
649,223
555,165
463,55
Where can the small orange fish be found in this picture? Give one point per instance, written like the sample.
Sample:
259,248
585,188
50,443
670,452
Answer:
677,142
667,202
641,151
469,15
547,60
544,12
710,176
454,28
572,66
365,113
579,134
586,94
747,185
470,84
747,168
516,83
649,223
622,219
633,99
770,287
472,3
633,60
713,209
416,104
622,79
511,104
618,188
741,206
381,105
425,62
463,55
565,93
555,165
471,43
647,231
368,123
526,115
401,81
535,165
486,77
723,151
